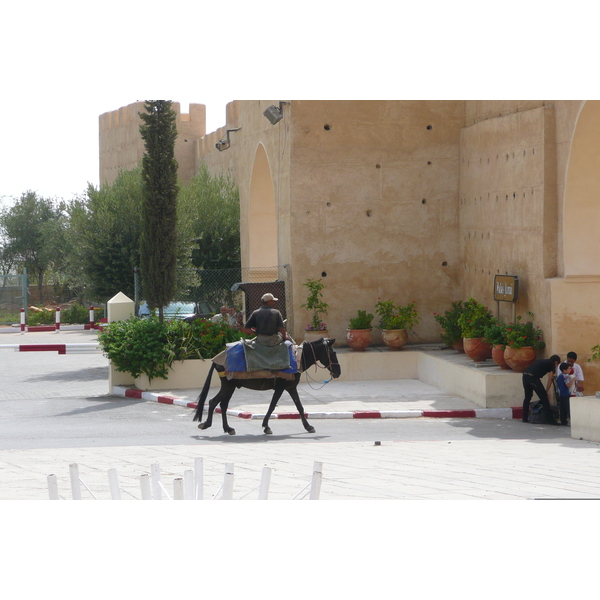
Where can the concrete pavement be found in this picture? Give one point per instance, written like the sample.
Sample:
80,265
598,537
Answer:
540,463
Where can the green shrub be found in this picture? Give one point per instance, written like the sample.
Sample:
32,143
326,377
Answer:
452,331
364,320
147,346
41,317
474,319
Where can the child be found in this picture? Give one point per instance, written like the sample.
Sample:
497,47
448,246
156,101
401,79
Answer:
563,381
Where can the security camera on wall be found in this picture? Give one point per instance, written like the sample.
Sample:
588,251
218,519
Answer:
222,145
274,114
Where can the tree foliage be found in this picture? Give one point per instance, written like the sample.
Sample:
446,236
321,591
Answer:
210,214
158,248
105,234
33,230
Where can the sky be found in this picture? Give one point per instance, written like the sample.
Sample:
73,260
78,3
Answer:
65,63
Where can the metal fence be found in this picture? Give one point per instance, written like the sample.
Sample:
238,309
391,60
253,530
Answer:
209,289
13,296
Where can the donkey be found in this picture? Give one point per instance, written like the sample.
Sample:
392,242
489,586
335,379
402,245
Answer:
320,351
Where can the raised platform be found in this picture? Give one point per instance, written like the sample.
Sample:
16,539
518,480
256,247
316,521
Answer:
486,384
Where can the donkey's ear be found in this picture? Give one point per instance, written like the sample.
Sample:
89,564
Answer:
330,342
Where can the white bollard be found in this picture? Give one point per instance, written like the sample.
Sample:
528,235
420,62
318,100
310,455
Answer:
227,493
57,320
178,488
92,317
156,489
75,483
22,321
53,487
113,480
199,479
317,477
146,487
188,484
265,481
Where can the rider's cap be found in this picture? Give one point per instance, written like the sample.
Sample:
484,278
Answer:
269,298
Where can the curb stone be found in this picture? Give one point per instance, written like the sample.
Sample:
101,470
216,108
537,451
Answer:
478,413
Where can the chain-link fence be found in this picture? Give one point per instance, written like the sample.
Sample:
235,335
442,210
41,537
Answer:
13,297
209,289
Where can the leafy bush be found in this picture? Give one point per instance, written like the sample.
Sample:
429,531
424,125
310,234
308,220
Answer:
45,316
315,304
147,346
364,320
474,319
519,335
452,331
392,316
495,333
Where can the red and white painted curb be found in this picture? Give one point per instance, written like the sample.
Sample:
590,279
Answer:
92,348
477,413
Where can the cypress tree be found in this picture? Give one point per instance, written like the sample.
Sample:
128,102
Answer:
158,243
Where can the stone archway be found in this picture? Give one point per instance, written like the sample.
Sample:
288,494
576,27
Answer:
581,220
262,214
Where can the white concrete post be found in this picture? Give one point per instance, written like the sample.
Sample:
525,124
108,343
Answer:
227,493
145,487
265,481
188,484
317,477
75,483
119,308
92,317
156,489
178,488
22,321
113,480
199,479
53,487
57,319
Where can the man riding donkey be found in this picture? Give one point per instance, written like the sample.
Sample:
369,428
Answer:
266,362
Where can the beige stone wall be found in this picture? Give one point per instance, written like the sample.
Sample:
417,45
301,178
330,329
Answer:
374,205
122,148
508,208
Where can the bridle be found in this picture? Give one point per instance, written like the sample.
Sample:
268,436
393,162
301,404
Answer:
321,366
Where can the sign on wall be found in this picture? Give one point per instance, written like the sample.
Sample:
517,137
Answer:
506,288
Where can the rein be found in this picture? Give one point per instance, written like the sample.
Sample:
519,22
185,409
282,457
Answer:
318,366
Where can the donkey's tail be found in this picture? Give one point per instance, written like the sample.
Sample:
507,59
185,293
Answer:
203,394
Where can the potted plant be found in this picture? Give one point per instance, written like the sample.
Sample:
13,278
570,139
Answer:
473,321
394,320
314,303
495,334
452,332
358,334
522,342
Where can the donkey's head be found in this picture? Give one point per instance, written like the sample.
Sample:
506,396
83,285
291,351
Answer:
322,351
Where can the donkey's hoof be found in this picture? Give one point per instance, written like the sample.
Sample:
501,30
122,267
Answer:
310,430
268,430
231,431
202,426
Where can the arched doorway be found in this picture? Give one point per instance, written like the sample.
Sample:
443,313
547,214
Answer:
581,220
262,215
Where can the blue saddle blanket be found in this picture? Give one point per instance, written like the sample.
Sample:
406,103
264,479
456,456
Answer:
236,358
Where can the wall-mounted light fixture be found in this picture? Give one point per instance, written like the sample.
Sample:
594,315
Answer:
223,144
274,113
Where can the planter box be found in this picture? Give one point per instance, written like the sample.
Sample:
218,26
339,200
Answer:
183,375
585,418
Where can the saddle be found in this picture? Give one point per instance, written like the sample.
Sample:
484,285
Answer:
247,359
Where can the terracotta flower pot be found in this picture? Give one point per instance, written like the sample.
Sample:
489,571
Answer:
313,336
459,346
394,339
477,349
498,356
358,339
518,359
